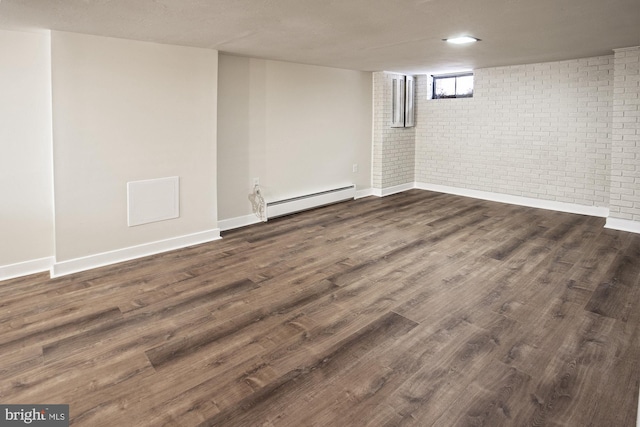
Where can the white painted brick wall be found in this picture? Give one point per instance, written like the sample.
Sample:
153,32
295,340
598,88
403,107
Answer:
624,202
393,148
539,130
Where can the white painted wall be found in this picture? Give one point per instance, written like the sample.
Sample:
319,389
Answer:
299,128
124,111
540,131
26,201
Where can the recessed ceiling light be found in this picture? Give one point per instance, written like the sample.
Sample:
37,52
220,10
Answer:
462,40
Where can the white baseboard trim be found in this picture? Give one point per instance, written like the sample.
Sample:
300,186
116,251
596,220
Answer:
381,192
237,222
518,200
126,254
11,271
623,225
364,193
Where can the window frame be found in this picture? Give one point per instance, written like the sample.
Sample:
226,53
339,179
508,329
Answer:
454,76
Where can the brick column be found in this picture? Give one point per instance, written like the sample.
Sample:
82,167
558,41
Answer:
393,148
624,203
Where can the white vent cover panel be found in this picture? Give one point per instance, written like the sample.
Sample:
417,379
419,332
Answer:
153,200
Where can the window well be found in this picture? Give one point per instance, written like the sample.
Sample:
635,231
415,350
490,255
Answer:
453,86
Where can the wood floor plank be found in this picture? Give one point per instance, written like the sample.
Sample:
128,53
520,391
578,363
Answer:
492,399
326,365
419,309
612,298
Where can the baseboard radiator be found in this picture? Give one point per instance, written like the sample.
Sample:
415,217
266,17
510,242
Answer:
310,201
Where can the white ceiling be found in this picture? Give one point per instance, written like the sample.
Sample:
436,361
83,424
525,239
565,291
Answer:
370,35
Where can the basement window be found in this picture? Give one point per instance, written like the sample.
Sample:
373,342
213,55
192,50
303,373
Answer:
453,86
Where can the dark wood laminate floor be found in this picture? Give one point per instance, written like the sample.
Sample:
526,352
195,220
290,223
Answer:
414,309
